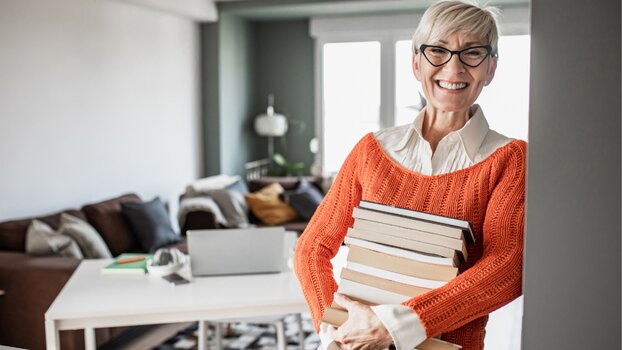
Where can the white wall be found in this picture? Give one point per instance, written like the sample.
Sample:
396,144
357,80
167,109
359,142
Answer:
97,98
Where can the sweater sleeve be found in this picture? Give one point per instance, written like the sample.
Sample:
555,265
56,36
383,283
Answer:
496,278
324,234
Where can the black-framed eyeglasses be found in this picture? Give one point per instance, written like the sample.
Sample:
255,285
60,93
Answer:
471,56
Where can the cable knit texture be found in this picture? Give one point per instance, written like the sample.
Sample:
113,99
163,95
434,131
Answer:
489,194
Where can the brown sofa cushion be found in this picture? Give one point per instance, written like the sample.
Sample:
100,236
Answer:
108,220
13,233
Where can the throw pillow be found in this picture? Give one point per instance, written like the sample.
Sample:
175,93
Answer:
305,199
216,182
90,242
268,207
41,239
233,207
150,223
239,186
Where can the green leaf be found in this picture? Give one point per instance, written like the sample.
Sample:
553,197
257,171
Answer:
279,159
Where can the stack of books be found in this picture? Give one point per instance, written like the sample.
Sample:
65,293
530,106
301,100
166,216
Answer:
396,254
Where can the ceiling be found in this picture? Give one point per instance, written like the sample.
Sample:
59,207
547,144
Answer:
291,9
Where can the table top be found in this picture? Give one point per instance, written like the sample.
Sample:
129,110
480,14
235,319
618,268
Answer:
90,294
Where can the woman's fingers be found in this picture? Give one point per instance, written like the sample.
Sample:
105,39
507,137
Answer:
344,301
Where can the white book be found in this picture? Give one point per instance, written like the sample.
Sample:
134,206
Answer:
408,254
397,277
370,294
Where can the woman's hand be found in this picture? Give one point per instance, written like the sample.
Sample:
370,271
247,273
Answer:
363,330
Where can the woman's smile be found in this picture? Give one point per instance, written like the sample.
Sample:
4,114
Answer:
451,86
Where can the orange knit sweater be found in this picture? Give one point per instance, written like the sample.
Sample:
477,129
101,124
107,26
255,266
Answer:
489,194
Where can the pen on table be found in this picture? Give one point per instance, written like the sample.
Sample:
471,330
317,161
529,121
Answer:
130,259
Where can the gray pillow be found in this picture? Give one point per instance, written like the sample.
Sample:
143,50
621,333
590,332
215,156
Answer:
232,205
88,239
41,239
150,223
305,199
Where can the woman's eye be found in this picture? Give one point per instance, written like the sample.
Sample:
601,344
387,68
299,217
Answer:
473,53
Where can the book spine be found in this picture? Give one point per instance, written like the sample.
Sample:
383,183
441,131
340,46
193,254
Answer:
401,265
396,251
407,233
414,281
372,215
403,243
381,283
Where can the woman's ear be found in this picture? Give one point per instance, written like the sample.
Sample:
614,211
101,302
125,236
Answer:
415,65
492,68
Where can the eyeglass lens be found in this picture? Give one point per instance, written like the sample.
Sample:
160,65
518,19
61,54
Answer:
471,56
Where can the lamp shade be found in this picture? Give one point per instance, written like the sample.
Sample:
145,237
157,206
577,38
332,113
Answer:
271,124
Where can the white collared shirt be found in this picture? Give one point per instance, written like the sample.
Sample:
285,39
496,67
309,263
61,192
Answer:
459,149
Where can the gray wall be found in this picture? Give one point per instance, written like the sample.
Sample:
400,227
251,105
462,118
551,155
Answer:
97,98
284,52
229,61
243,62
572,252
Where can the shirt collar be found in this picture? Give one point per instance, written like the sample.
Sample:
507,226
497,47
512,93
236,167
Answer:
473,132
471,135
413,128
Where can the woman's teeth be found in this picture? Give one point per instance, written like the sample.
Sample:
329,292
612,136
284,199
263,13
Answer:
452,86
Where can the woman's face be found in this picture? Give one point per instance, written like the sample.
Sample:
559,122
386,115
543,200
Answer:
453,86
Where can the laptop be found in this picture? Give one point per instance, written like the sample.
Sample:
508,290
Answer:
217,252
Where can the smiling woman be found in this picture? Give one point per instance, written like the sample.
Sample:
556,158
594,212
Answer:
446,162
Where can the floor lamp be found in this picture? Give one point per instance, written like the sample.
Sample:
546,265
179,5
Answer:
271,125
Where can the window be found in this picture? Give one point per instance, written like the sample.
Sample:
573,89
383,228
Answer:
351,95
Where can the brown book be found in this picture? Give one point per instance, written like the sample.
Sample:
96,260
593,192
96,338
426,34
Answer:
407,233
336,318
382,283
401,265
404,243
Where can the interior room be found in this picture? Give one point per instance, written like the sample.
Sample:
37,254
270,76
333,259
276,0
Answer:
130,129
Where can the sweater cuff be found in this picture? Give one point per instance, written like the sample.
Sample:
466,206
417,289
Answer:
403,325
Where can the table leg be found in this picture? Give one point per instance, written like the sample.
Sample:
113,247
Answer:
281,342
52,341
89,338
202,336
218,334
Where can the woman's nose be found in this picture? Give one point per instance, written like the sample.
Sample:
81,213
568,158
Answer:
455,65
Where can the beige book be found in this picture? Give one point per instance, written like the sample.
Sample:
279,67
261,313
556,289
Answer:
336,318
369,295
403,243
407,233
397,277
382,283
444,225
400,250
401,265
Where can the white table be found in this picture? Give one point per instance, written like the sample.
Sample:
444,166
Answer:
91,300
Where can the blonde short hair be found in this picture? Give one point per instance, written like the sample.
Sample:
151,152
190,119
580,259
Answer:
445,18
